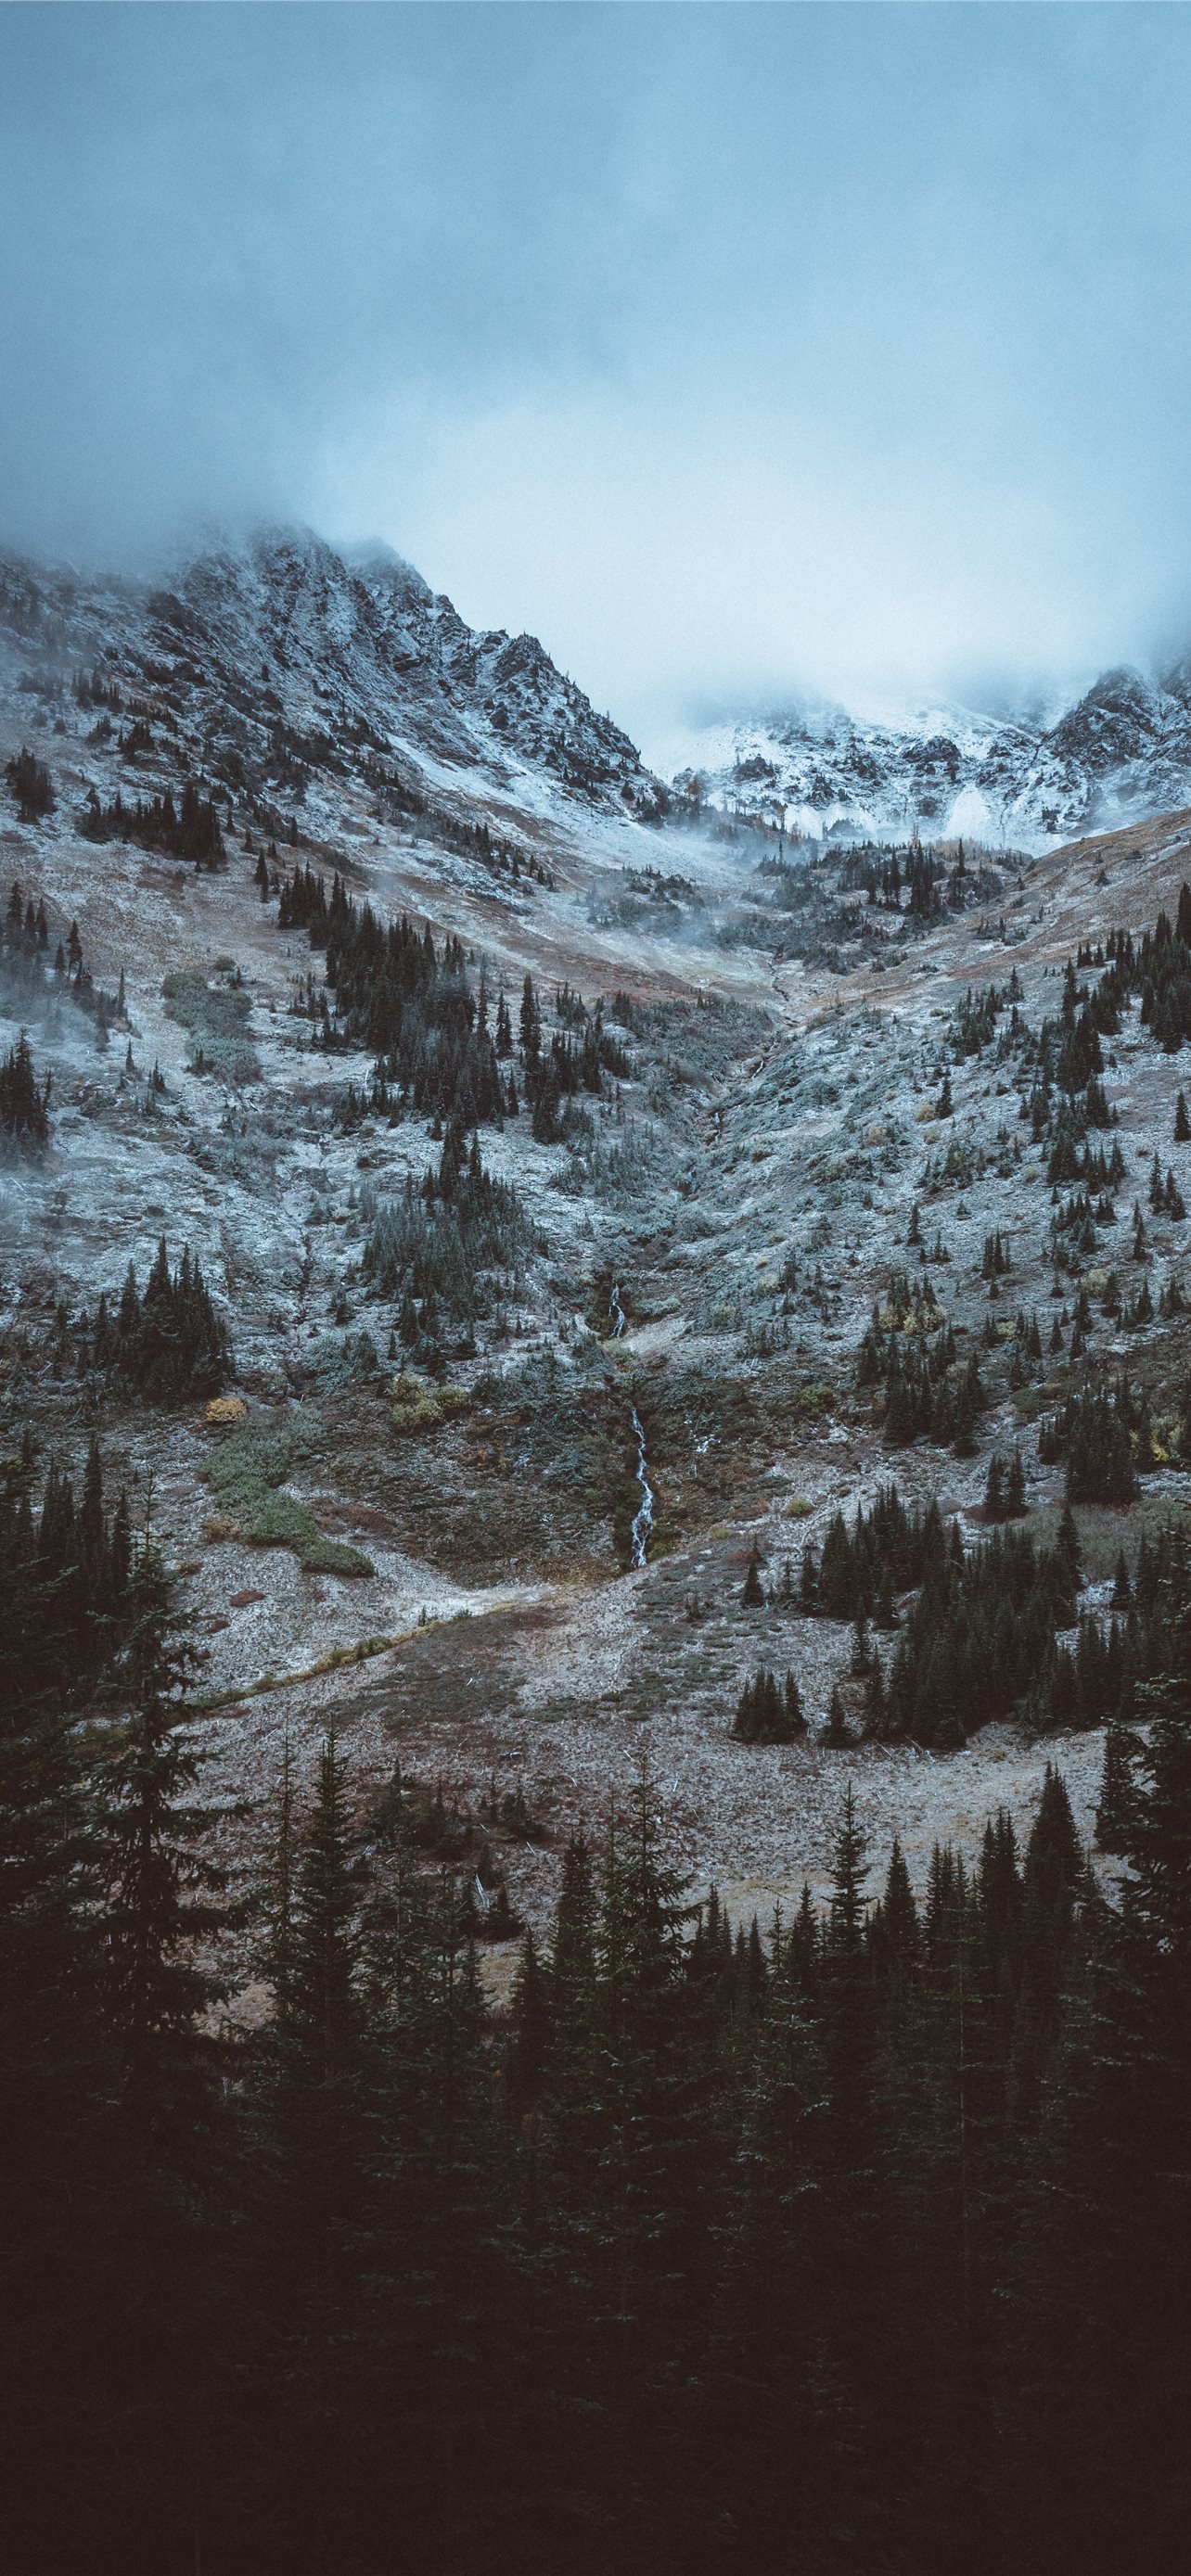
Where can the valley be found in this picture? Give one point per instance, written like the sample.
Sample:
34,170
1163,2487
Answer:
810,1101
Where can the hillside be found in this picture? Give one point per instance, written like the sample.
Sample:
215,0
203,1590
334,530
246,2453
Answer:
282,670
758,1109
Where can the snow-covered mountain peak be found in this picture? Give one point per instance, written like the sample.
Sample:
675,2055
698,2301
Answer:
286,636
1121,751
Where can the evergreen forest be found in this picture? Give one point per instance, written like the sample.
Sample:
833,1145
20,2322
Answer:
854,2241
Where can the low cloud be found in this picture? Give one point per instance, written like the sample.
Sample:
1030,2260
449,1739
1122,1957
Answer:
737,353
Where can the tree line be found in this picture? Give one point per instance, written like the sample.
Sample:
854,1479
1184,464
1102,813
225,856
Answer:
167,1344
64,1575
440,1049
991,1630
408,1003
189,830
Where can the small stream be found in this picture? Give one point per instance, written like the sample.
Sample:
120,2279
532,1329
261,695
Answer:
642,1527
639,1535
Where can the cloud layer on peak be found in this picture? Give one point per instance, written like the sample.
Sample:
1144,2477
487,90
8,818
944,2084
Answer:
736,351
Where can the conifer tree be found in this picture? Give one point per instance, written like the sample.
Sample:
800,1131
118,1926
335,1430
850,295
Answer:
1116,1785
835,1732
163,1893
530,1027
531,2027
855,2211
58,2078
323,1991
1105,2364
164,1901
24,1110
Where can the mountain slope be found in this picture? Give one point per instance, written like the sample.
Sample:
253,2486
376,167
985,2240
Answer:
283,661
779,1126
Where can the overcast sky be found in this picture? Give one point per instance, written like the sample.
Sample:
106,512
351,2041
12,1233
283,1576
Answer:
734,350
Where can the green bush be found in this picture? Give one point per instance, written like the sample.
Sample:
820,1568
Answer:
247,1472
217,1022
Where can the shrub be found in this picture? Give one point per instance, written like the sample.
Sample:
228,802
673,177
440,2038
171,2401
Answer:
216,1018
247,1471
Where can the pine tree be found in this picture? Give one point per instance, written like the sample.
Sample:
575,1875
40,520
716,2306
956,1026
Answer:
530,2028
1104,2369
530,1027
58,2078
1068,1569
835,1732
854,2210
31,785
164,1903
1116,1786
279,1896
163,1894
649,2220
24,1110
323,1989
897,1936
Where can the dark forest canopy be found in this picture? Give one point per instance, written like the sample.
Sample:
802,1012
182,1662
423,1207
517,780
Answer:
856,2241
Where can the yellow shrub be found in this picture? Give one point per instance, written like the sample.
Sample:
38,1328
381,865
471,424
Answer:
417,1406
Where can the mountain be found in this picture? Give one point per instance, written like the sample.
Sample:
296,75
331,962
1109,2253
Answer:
283,666
1120,753
287,662
496,1265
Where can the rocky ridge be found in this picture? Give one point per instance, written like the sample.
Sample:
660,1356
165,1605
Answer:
285,666
1120,753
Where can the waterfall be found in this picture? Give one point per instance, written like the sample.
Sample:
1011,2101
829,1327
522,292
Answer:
616,1311
643,1523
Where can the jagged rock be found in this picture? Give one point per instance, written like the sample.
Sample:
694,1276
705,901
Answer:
1122,752
305,662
